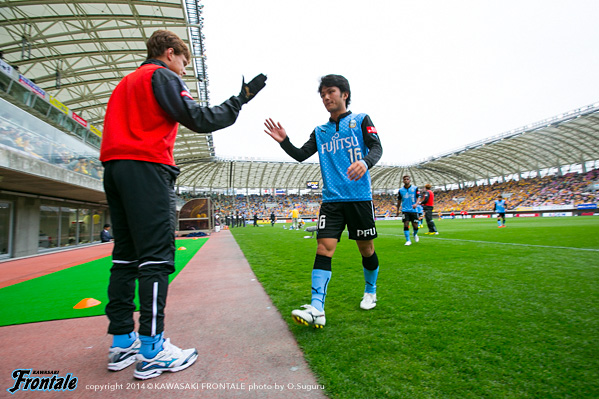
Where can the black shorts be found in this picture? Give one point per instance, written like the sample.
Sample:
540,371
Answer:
501,215
358,216
409,217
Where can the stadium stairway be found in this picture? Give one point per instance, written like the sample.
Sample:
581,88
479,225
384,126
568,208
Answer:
215,304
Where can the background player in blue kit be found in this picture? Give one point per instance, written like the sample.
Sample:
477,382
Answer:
347,145
499,207
419,211
408,200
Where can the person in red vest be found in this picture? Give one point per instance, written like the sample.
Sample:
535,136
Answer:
140,127
428,201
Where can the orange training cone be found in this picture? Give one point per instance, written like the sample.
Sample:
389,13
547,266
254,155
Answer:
87,303
182,248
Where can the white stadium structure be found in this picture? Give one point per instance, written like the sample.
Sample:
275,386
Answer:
61,60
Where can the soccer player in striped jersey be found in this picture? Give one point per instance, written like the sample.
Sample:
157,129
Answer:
347,145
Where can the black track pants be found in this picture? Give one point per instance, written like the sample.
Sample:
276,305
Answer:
141,199
428,216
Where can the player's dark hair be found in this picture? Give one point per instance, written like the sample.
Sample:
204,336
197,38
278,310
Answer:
336,81
162,40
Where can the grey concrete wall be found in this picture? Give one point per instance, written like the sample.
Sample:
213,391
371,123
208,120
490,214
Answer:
27,226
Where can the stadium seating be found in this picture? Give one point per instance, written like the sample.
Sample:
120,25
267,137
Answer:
571,189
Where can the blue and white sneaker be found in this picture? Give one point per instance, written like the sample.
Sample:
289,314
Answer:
310,316
170,358
119,358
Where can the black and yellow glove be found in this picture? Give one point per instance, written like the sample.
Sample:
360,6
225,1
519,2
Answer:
249,90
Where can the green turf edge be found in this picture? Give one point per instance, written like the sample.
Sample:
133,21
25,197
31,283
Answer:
52,297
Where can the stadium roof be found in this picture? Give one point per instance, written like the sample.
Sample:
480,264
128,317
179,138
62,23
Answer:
79,50
571,138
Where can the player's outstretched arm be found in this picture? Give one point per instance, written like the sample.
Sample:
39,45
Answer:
278,133
173,96
275,130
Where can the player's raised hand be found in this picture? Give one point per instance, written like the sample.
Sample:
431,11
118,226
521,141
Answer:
275,130
249,90
356,170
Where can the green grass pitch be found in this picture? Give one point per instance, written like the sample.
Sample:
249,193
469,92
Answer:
475,312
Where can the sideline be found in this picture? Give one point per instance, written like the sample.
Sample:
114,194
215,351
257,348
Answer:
502,243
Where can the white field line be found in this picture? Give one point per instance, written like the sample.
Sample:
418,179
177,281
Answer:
502,243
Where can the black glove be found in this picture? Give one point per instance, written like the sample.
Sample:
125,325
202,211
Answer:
249,90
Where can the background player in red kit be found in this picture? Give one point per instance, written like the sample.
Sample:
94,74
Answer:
428,202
